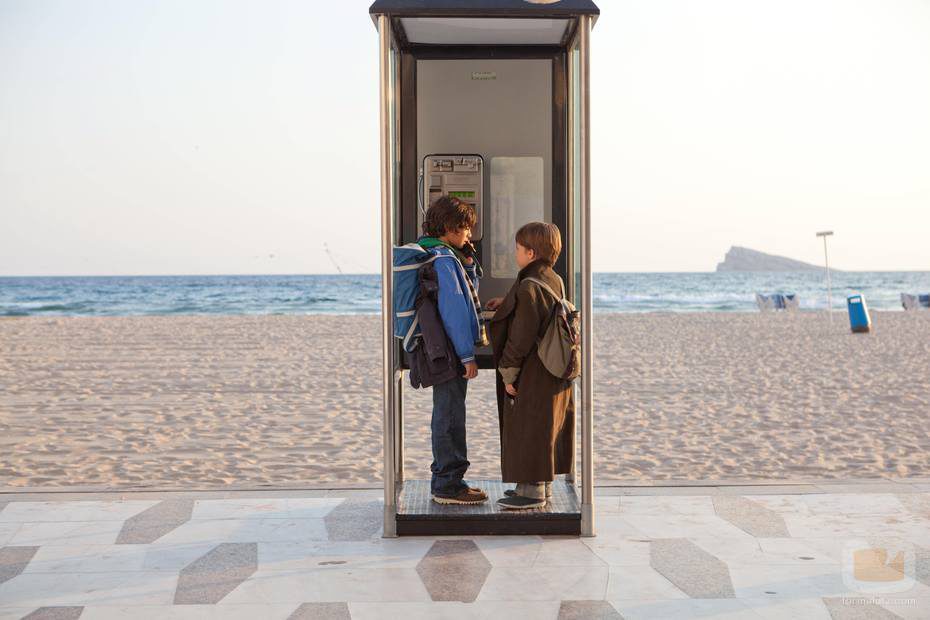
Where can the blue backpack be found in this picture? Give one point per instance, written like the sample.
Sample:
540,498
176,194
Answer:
407,262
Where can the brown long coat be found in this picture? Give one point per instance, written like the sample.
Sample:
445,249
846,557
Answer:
538,426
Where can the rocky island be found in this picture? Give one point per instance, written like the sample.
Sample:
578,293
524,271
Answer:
744,259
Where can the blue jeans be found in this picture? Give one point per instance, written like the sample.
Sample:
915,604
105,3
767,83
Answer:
450,455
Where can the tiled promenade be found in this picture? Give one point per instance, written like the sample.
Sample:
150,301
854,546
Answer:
805,551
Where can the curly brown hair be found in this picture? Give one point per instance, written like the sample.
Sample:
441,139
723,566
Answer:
448,214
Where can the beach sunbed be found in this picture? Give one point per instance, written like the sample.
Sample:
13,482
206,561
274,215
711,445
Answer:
915,302
777,301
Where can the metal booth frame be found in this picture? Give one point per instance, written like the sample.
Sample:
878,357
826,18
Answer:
572,57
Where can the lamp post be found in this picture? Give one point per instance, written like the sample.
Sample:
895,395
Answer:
826,262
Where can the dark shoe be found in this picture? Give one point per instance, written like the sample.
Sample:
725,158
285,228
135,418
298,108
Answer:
466,496
518,502
513,493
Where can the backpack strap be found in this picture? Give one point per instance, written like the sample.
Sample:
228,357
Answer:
546,287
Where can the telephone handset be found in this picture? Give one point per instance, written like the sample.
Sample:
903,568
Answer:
460,176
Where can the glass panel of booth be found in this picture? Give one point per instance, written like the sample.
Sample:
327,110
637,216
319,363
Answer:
576,171
517,197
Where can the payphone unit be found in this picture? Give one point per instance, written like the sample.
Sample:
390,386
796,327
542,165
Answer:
459,176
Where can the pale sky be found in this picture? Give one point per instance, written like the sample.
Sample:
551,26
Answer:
235,136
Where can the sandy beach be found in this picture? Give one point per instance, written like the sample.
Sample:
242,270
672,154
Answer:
197,402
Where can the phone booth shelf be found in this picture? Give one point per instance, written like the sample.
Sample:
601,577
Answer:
487,101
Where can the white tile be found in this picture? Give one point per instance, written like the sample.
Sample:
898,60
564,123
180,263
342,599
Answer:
786,581
542,583
23,512
245,508
67,533
190,612
87,559
566,552
246,530
849,504
375,584
686,526
801,551
620,552
783,504
616,526
662,505
607,505
509,550
640,582
491,610
51,589
718,609
15,613
729,550
266,508
780,608
7,531
312,507
384,553
173,557
905,526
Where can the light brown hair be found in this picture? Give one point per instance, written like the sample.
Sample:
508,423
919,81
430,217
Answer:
543,238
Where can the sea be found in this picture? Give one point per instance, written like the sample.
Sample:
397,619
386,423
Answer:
360,294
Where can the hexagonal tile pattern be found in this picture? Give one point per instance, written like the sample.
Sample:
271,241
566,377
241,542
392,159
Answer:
355,519
153,523
842,610
454,570
55,613
321,611
208,579
13,560
751,517
588,610
694,571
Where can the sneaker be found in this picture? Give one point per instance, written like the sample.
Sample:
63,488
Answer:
466,496
518,502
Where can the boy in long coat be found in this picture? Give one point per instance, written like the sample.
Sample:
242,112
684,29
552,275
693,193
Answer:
535,408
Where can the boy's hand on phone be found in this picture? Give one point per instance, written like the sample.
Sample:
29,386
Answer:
471,370
510,389
494,304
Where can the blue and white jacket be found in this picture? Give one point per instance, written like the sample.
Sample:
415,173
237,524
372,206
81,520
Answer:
458,313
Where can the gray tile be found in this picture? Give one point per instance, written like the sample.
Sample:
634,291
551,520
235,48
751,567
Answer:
153,523
321,611
208,579
845,609
454,570
588,610
694,571
355,519
751,517
3,503
13,560
922,565
55,613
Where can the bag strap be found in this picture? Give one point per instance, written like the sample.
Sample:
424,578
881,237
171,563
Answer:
546,287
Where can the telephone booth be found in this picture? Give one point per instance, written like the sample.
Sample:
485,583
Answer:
487,101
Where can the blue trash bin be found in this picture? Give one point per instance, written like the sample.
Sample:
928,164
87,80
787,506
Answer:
859,320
